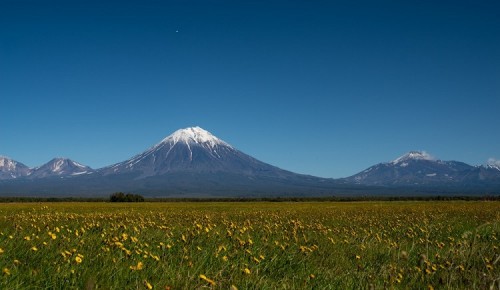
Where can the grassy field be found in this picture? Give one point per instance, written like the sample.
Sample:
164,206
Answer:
320,245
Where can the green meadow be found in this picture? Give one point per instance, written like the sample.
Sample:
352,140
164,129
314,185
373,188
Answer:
250,245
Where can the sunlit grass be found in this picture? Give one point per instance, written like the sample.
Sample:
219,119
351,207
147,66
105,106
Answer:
250,245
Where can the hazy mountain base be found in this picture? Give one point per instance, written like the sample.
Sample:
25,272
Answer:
178,184
223,186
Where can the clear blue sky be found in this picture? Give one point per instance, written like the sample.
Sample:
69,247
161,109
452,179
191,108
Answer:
326,88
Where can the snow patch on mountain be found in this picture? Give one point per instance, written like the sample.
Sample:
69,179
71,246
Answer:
493,164
80,173
57,166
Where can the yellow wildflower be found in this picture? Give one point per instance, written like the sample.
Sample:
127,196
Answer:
138,267
209,281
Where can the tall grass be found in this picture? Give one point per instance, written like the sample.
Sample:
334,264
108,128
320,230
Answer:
371,245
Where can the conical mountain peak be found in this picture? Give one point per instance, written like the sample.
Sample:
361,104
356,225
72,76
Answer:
59,166
192,150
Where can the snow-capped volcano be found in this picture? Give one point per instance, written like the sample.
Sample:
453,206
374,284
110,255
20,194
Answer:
59,167
193,150
413,168
192,160
10,169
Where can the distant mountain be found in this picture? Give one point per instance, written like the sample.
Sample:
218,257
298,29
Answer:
418,168
59,167
11,169
193,162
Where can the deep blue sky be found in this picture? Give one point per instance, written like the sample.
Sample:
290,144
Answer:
326,88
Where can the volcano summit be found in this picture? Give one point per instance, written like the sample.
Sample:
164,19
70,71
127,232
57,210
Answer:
193,150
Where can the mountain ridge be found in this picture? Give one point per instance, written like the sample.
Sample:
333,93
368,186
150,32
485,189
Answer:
58,166
189,161
192,160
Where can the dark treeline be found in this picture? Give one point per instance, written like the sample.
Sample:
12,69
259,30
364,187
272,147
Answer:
135,198
125,197
5,199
